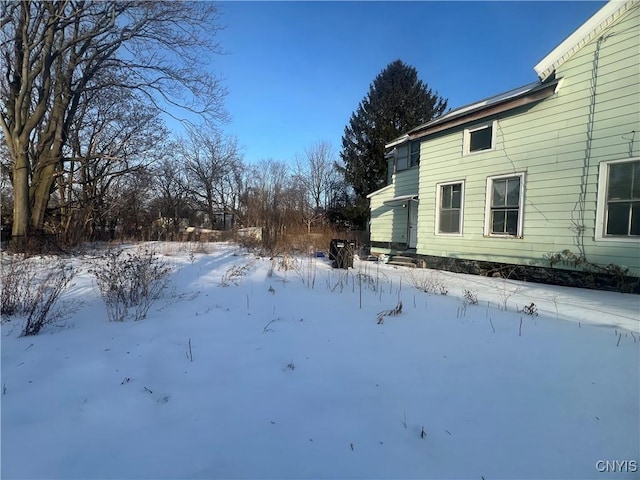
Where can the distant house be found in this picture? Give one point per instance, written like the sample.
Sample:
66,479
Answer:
547,174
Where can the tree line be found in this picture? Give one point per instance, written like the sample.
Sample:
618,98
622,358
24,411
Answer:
86,154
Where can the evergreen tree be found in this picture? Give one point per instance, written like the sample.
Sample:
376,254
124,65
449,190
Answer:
397,102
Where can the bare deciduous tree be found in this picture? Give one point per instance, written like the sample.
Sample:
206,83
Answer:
211,162
170,204
53,52
113,136
265,199
315,177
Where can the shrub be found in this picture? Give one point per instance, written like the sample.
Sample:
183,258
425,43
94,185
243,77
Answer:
33,291
130,280
48,293
235,273
470,296
530,309
428,283
19,285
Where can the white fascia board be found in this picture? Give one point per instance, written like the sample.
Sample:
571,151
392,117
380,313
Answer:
379,191
397,141
401,198
585,33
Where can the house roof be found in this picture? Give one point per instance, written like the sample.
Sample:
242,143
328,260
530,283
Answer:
532,92
517,97
585,33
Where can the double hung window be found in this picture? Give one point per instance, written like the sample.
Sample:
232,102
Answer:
504,205
619,199
449,208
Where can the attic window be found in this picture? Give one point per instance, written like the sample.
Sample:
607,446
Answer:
479,139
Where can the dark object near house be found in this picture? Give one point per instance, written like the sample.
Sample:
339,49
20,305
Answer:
341,253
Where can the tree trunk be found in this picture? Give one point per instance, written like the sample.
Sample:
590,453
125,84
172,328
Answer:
41,185
21,204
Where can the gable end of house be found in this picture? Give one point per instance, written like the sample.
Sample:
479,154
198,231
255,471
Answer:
600,21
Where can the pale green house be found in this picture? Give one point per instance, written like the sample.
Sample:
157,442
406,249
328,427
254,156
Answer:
519,178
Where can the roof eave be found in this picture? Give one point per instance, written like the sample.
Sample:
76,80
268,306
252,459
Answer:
534,95
584,34
397,141
380,190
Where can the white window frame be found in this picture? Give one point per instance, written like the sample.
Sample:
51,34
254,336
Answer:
601,203
439,187
487,209
467,138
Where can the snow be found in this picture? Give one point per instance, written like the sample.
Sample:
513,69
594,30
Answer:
286,373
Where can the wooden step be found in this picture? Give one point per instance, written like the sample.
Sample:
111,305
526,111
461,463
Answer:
402,261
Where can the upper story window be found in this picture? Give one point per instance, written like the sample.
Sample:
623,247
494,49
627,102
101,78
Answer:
407,156
402,158
618,208
414,154
504,208
480,138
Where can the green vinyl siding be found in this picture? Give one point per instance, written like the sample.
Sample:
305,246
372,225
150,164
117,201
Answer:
389,223
559,144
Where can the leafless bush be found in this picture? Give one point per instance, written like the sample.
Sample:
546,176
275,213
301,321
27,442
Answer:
505,294
287,262
428,283
28,289
19,285
248,241
306,269
470,296
235,273
130,280
199,247
343,278
50,288
530,309
390,313
367,280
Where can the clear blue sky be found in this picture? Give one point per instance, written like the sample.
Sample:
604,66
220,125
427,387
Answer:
296,71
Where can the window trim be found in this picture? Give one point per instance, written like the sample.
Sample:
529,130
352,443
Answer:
467,138
438,206
601,203
487,208
408,158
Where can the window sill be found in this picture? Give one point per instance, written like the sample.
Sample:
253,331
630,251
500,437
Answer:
614,239
495,235
479,152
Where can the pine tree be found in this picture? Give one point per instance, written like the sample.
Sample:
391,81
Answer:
397,102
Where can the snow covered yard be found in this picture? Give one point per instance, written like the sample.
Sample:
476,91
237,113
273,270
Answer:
256,368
